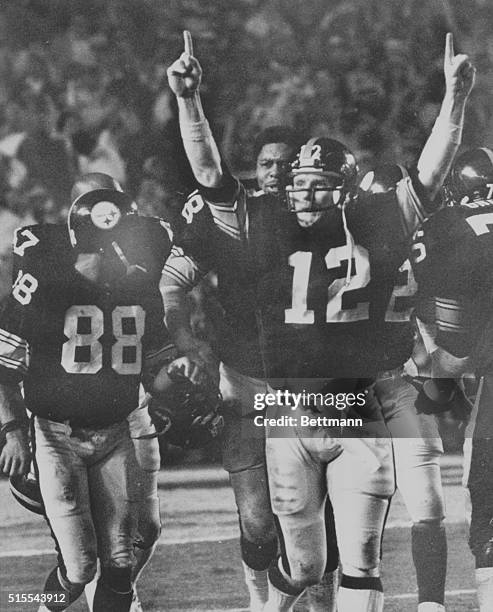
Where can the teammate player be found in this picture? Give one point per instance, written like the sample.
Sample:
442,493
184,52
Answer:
415,438
238,346
84,311
316,243
452,258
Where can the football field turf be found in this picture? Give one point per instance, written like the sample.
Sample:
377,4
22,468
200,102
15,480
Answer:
196,566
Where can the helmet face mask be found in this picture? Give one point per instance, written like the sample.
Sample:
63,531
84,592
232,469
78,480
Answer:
313,193
97,218
324,175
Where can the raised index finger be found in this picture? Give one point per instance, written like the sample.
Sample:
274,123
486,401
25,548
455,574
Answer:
188,44
449,47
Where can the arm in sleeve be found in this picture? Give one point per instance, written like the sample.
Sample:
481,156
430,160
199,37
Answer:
445,138
174,288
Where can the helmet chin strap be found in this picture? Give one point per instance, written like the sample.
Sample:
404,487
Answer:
130,268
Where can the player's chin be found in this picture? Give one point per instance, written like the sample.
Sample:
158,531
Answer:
307,219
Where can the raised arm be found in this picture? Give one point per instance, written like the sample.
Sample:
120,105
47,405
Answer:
184,77
444,140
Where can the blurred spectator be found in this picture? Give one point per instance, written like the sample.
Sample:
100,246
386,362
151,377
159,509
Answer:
98,152
358,70
43,151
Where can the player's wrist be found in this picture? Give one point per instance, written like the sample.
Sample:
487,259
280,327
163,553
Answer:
14,428
190,109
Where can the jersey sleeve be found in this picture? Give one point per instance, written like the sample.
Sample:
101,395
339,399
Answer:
14,349
34,254
227,205
412,201
388,218
454,325
182,270
16,318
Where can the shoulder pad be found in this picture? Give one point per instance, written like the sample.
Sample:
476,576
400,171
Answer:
42,249
44,237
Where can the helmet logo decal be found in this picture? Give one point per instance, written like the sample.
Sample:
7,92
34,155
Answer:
105,215
311,155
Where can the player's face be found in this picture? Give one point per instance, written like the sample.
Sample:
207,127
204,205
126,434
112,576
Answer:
273,165
314,193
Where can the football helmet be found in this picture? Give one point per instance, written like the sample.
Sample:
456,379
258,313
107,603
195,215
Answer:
327,158
471,177
25,490
187,415
383,179
98,215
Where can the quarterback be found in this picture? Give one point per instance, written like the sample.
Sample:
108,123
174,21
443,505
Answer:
326,278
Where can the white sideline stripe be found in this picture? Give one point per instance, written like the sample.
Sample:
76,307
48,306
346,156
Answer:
447,594
387,598
37,552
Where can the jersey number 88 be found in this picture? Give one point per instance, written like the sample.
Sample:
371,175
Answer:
82,353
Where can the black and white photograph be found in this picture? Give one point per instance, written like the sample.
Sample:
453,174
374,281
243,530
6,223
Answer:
246,305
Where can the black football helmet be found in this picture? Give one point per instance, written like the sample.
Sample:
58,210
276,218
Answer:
187,415
98,215
25,490
471,177
329,158
383,179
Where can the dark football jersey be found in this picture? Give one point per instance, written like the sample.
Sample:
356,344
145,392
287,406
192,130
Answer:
78,346
452,255
313,316
345,295
207,241
384,224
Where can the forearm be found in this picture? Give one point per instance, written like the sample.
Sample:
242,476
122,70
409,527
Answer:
12,407
15,455
442,145
198,141
177,318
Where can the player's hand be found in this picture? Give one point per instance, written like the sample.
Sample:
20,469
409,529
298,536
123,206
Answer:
437,395
204,358
184,367
15,458
185,74
459,72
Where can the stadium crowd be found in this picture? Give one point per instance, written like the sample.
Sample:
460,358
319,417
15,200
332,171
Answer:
83,87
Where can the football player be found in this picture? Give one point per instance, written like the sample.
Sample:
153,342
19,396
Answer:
198,250
452,257
320,317
415,438
84,311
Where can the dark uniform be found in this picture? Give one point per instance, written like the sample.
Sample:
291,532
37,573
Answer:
78,346
79,349
452,257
